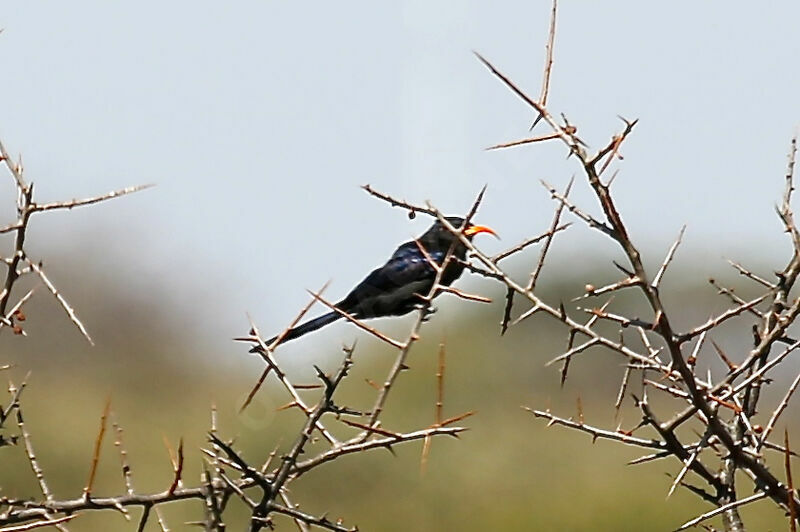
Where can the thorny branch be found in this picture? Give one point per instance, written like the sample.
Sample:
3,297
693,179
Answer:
733,427
232,476
721,410
26,207
228,474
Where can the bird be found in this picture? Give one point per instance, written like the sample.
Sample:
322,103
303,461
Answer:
404,282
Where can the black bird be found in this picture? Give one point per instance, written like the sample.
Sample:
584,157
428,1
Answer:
399,286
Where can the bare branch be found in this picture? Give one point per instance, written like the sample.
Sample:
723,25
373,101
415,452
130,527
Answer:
722,509
787,464
595,432
668,259
96,454
520,142
589,219
377,443
548,65
37,470
779,410
64,304
39,524
412,209
528,242
71,204
716,322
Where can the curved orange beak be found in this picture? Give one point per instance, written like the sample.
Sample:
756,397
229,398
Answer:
475,229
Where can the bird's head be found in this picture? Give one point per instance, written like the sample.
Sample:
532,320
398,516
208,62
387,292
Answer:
471,230
440,237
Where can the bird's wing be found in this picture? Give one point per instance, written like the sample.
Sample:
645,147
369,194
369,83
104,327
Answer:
391,289
406,265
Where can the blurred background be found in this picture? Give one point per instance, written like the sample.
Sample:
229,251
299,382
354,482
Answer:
258,121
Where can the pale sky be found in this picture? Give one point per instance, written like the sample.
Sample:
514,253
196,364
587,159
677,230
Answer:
258,121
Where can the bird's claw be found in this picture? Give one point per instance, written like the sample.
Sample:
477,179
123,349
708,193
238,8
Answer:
427,311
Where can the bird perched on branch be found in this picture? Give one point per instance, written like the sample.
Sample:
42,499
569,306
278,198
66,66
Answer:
405,281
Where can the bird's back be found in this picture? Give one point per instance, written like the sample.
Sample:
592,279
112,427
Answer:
398,286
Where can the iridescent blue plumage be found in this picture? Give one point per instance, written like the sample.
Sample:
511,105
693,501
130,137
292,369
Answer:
407,264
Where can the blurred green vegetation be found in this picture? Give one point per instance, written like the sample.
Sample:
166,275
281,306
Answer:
163,369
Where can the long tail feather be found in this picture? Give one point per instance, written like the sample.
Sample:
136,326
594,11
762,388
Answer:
307,327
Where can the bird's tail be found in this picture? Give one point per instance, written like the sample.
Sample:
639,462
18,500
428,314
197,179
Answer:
307,327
